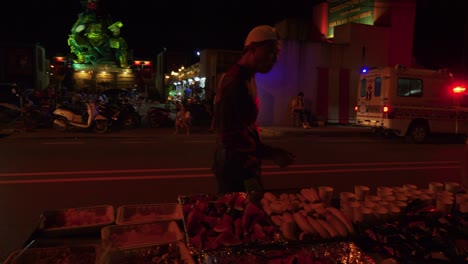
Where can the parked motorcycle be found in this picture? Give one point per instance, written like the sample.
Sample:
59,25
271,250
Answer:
160,117
122,115
9,113
38,116
11,102
66,119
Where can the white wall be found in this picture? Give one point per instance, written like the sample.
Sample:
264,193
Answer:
294,72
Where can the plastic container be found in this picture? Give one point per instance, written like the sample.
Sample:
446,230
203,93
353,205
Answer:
145,234
144,213
76,221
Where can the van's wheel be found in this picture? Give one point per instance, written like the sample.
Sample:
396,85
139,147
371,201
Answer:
418,133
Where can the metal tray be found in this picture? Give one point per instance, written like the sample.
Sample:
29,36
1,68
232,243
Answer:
47,255
75,221
339,252
133,235
150,254
144,213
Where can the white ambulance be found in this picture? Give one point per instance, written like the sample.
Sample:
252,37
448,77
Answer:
411,102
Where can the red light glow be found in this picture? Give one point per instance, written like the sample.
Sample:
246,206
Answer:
459,89
386,109
138,62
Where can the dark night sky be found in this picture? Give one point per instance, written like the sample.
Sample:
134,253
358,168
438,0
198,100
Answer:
150,25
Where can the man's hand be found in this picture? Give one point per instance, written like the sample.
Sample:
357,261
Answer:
282,158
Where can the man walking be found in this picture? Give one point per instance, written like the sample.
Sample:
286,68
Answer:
240,150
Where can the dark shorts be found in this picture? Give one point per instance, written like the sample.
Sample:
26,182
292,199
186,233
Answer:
236,171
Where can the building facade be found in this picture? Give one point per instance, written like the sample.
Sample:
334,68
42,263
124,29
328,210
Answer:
327,70
323,57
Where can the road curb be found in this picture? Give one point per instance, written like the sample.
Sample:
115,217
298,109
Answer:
265,132
318,132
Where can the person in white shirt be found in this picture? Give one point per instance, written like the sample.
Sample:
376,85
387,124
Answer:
298,109
183,120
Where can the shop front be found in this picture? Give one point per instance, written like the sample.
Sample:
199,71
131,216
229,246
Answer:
186,85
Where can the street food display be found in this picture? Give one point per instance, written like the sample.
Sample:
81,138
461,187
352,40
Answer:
232,219
403,224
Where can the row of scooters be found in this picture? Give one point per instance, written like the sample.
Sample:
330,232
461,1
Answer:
100,117
91,116
97,117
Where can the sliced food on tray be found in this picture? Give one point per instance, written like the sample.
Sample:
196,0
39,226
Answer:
227,220
77,217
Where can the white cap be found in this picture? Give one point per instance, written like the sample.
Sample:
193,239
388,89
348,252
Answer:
261,33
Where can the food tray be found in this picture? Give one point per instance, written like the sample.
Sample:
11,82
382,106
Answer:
132,235
76,221
338,252
144,213
176,252
213,221
70,255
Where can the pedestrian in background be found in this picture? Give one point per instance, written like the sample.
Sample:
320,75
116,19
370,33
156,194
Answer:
298,110
183,120
240,150
212,107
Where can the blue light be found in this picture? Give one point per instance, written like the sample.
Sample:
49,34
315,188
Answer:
364,70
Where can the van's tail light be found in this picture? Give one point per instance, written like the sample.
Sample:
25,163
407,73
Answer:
356,108
459,89
388,112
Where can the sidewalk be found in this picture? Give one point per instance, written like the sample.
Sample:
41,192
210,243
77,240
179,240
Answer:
333,130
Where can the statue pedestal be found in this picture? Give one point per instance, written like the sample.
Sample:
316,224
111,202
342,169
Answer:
102,76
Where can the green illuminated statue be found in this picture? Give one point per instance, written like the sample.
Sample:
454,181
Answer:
94,38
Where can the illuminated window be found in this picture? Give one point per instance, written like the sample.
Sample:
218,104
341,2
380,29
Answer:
410,87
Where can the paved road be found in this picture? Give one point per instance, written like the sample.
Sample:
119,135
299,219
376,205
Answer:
43,171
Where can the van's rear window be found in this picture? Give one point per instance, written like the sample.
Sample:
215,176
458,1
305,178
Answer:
410,87
363,87
378,86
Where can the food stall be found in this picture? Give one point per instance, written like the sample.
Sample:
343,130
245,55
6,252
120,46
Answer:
392,224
